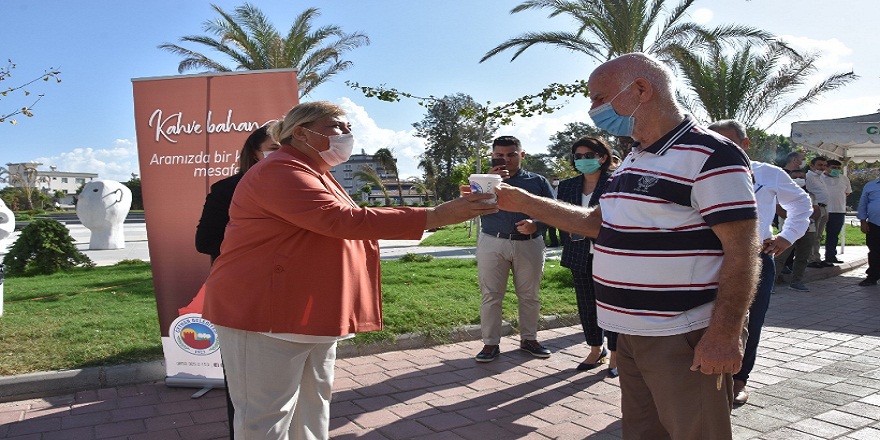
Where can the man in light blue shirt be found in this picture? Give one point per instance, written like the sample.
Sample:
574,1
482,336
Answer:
869,214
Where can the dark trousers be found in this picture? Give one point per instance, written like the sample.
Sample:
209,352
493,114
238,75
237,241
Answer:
552,234
757,312
872,239
586,301
832,234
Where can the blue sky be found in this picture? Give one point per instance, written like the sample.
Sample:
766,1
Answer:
85,123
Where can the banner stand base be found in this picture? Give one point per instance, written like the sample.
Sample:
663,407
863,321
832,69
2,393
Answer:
204,384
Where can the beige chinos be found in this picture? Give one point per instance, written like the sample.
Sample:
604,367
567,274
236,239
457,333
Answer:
275,382
496,257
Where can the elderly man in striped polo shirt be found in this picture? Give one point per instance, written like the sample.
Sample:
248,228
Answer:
675,263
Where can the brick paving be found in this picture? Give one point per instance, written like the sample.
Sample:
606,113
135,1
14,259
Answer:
817,377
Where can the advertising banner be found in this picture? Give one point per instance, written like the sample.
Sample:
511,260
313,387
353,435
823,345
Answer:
190,130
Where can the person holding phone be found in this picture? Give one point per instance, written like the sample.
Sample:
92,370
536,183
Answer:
511,241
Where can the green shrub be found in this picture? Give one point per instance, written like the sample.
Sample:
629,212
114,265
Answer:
44,247
23,216
416,258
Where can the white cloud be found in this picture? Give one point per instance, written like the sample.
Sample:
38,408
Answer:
832,52
369,137
702,15
114,163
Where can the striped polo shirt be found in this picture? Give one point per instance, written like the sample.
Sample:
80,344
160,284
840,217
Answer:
656,260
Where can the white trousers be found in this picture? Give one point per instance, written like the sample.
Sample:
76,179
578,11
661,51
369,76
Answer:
280,389
496,257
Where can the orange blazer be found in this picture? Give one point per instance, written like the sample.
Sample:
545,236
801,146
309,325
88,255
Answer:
299,255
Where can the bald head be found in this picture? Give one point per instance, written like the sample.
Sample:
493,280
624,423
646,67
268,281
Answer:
629,67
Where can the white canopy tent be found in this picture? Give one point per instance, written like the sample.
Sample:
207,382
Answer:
856,138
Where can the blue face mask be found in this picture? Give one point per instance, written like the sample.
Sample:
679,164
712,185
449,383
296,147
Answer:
834,173
606,118
587,166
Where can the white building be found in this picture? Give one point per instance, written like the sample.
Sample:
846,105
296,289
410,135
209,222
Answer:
48,182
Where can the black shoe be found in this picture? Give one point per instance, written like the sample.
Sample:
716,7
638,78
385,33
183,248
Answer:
834,260
603,357
827,264
612,373
534,347
816,265
489,353
868,282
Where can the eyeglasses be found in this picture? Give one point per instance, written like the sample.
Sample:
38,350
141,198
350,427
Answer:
587,155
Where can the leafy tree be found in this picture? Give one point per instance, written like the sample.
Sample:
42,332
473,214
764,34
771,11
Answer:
25,176
389,163
5,91
44,247
561,141
248,38
452,138
371,177
748,85
137,197
541,163
605,29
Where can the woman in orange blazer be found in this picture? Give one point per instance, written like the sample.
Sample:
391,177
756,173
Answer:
298,271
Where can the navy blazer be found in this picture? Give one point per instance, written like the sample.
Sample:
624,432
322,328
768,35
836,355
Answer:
576,254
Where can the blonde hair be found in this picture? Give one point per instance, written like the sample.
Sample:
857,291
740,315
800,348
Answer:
302,114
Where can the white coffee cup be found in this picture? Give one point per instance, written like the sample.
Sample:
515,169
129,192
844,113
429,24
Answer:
485,183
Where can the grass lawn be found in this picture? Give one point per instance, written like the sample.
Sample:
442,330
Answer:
107,315
452,235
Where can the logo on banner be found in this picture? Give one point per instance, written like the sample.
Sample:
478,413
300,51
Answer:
195,335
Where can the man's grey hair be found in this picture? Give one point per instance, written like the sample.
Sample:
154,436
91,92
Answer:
652,69
730,124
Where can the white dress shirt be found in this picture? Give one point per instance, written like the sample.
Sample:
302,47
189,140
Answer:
772,186
816,186
838,188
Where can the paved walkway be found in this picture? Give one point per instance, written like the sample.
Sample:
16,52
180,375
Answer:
818,376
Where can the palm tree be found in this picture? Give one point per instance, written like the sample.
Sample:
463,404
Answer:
24,176
369,176
608,28
747,86
386,159
427,165
419,186
247,37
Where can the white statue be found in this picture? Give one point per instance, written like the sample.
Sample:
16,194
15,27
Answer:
7,226
7,221
102,207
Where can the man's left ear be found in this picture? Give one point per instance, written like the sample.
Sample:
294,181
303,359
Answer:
645,89
747,144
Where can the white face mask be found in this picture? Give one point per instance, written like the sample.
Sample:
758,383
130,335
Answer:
267,153
340,148
555,183
800,182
